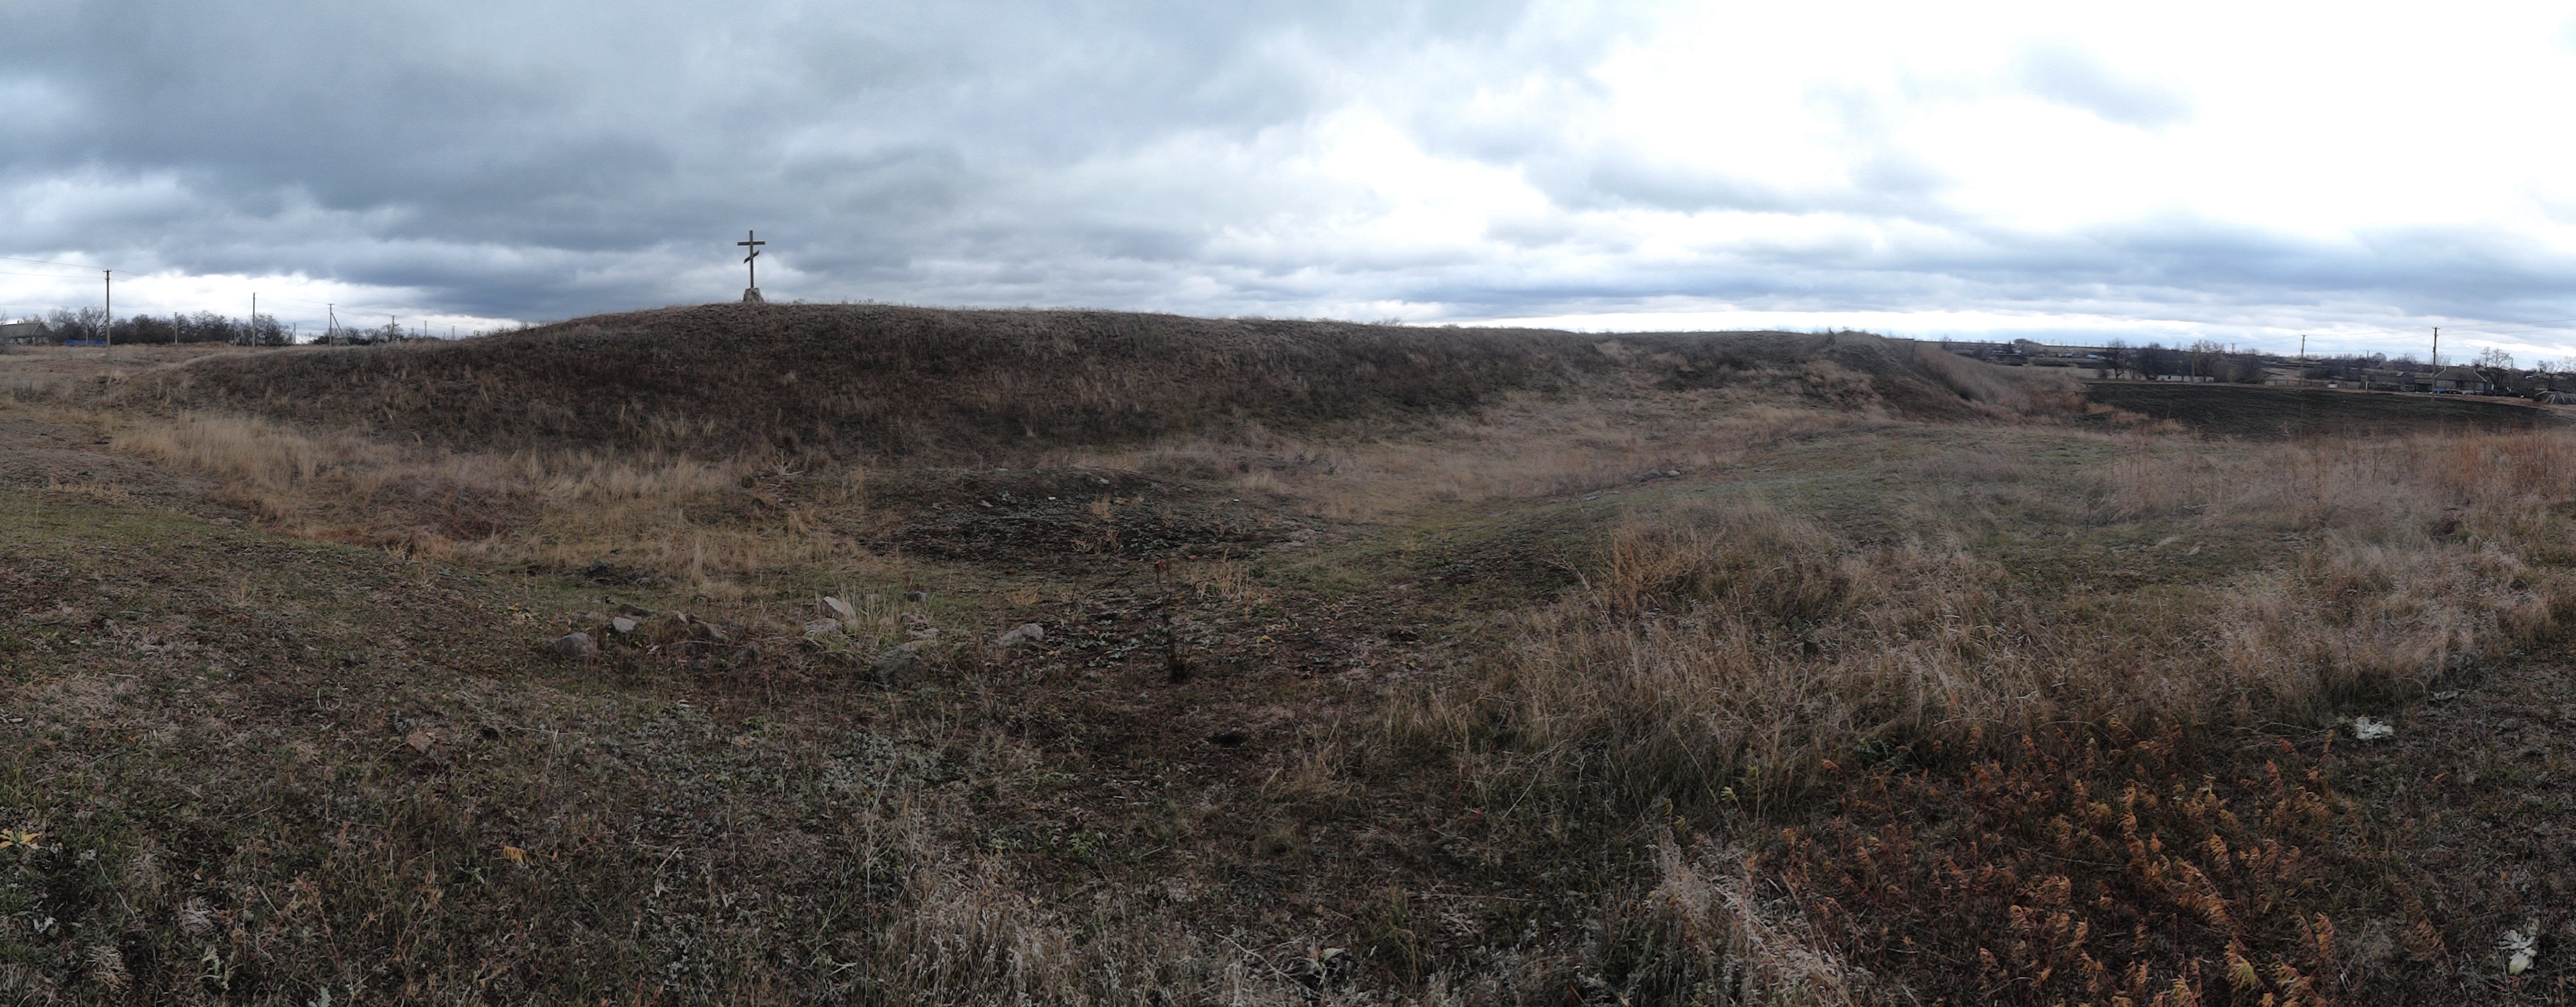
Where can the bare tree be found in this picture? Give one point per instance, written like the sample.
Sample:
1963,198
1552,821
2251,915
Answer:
85,324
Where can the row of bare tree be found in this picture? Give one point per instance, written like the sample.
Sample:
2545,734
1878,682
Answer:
88,325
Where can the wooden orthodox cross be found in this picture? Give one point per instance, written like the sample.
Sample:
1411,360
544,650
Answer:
750,242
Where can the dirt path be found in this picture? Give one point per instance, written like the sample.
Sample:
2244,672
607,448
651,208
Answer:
47,452
73,459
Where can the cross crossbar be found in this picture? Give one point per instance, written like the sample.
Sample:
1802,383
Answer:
751,241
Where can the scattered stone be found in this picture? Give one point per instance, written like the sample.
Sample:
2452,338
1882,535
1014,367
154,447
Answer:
1027,633
822,627
419,741
839,607
576,645
2366,729
622,624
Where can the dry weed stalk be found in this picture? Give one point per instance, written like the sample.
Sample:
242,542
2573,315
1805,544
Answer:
1737,950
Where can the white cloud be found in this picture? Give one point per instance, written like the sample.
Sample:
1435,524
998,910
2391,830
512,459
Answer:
2069,76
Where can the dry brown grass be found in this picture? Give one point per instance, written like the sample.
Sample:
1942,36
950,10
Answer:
629,440
560,509
1640,424
1759,673
1522,449
1734,658
1708,908
1732,647
51,372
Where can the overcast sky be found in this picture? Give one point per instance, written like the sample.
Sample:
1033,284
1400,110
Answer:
2140,171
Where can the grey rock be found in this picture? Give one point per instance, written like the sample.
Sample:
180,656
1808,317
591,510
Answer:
622,624
900,662
1027,633
839,607
575,645
823,627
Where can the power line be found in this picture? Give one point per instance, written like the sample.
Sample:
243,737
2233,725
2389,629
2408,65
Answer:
50,276
50,262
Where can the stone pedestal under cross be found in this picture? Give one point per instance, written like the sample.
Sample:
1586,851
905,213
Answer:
751,294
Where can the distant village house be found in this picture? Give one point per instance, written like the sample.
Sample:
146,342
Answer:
23,334
2462,379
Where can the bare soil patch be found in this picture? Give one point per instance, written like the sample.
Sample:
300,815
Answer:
2274,413
1054,515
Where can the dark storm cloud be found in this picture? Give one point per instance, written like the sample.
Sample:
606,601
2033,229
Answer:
872,135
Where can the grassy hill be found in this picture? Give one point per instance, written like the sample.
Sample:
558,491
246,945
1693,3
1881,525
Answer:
879,383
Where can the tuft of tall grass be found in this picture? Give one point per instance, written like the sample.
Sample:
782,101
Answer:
1724,652
564,509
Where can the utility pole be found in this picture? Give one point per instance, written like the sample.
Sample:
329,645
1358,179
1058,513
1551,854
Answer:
254,317
331,334
107,334
2437,347
2303,347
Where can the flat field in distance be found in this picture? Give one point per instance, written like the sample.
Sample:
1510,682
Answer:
2261,412
1374,665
